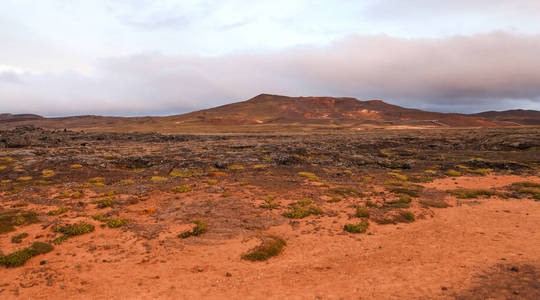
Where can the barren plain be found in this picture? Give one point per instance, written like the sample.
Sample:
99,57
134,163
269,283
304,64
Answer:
435,213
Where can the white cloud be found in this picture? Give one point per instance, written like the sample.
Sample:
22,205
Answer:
460,73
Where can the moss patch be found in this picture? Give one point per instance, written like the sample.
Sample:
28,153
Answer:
270,247
72,230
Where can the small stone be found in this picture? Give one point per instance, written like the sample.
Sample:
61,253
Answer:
42,262
228,274
444,288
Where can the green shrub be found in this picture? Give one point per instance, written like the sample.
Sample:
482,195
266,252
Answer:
362,212
408,216
271,246
302,209
357,228
199,229
18,258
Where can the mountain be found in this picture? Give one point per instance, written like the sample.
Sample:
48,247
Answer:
275,109
516,116
272,113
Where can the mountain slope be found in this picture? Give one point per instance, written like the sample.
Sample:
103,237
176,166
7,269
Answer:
268,113
516,116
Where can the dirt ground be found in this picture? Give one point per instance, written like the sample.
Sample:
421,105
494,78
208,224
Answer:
443,214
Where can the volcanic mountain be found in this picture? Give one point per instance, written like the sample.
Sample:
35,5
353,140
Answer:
267,113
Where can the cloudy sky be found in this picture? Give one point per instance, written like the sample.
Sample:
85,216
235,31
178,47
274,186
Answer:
158,57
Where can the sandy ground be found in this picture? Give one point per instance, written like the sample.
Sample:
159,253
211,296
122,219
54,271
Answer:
474,249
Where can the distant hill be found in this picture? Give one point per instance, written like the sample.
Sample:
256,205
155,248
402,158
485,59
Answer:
271,113
265,109
516,116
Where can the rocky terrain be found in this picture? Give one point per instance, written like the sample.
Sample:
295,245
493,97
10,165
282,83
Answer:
323,216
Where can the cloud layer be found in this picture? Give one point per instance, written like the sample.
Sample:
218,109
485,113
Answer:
459,73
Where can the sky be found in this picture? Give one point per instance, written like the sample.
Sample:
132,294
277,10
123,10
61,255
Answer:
162,57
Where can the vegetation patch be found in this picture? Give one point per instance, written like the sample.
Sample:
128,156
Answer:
71,230
270,247
269,202
302,209
10,219
406,191
19,237
334,200
452,173
407,216
310,176
47,173
399,176
434,203
473,193
185,172
181,189
76,166
402,202
357,228
346,191
156,179
211,181
58,211
18,258
200,228
362,212
24,178
235,167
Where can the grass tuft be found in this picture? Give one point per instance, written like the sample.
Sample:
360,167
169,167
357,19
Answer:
270,247
362,212
452,173
309,175
71,230
58,211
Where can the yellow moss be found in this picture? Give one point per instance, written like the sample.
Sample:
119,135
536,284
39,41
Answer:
463,167
181,189
76,166
347,172
260,166
3,168
158,179
97,180
399,176
430,171
310,176
452,173
211,181
47,173
6,181
126,181
24,178
139,170
235,167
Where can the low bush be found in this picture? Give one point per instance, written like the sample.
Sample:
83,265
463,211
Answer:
270,247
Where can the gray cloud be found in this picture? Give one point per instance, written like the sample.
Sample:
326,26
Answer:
460,73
